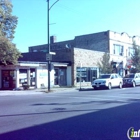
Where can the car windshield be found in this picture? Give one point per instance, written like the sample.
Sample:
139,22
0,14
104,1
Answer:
104,76
129,76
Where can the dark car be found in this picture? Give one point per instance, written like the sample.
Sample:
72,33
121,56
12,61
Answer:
132,79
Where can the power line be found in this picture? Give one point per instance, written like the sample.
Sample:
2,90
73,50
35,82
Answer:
78,13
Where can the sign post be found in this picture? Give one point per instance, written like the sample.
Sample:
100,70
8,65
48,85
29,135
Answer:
80,74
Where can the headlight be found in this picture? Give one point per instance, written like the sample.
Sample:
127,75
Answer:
129,80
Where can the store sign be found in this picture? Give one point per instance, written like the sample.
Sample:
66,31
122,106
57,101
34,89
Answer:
81,69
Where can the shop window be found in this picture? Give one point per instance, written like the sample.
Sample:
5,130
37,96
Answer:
22,76
32,77
81,74
86,74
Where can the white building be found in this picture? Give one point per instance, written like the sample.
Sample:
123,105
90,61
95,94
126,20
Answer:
34,74
121,50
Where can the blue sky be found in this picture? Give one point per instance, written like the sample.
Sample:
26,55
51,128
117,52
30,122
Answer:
72,18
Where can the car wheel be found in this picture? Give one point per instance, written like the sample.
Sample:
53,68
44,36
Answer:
120,85
133,84
109,86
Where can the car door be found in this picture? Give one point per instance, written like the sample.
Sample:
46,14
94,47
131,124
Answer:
117,80
113,80
136,79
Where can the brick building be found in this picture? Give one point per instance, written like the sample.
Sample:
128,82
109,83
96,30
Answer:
83,52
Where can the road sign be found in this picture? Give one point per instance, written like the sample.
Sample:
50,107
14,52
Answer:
48,57
53,53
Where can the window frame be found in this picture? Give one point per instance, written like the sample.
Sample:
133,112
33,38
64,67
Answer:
129,52
118,49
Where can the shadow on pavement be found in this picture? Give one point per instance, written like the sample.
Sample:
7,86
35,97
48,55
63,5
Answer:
92,89
106,124
85,89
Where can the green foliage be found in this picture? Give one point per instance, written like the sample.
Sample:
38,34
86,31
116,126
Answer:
8,23
104,64
136,59
8,52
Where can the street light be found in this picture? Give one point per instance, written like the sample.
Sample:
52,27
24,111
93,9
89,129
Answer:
49,58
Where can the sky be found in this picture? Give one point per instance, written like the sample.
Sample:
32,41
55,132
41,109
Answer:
70,18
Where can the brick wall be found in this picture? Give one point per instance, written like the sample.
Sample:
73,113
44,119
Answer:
53,46
88,58
63,55
96,41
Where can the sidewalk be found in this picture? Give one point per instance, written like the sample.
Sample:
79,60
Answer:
66,89
43,91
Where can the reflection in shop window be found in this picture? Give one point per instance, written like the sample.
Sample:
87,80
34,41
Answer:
22,76
87,74
8,79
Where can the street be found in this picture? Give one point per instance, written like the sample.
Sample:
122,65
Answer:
73,115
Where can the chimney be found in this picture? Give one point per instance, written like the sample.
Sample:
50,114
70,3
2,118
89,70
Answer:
52,39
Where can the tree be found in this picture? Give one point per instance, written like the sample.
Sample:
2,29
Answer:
135,59
8,22
104,65
8,51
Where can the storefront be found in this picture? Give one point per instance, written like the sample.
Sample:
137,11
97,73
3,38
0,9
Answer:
62,74
33,74
118,67
8,79
86,74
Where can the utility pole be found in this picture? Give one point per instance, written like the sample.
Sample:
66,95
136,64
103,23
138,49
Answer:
49,62
48,55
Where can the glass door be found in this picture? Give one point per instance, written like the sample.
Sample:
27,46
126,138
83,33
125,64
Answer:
8,79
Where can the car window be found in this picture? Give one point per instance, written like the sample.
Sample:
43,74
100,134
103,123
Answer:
112,76
130,76
104,76
116,76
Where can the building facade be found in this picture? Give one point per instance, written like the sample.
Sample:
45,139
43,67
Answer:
84,52
34,74
62,69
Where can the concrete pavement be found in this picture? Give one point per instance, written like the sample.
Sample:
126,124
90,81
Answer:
43,91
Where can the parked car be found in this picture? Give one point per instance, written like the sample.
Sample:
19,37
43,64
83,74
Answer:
132,79
108,81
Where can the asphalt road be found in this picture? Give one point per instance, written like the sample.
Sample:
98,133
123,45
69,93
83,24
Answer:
75,115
